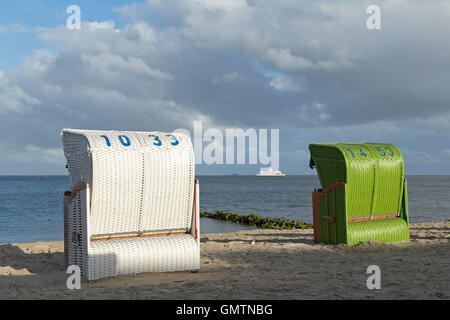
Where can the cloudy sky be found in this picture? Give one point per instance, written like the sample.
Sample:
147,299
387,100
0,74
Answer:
311,69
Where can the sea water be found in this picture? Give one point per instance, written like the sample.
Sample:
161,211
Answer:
31,207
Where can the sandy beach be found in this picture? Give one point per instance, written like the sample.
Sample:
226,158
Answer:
278,265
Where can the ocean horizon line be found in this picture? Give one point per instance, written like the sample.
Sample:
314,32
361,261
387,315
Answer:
213,175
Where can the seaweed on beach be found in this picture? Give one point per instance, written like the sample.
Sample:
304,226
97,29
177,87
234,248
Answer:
255,220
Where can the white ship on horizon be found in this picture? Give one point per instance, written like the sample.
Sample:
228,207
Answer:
269,172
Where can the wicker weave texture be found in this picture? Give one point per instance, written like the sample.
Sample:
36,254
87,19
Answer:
132,183
374,174
78,234
146,254
137,186
375,185
388,231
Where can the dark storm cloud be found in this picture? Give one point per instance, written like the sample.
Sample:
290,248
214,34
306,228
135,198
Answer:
312,69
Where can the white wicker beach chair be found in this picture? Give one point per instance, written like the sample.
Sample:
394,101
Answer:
134,205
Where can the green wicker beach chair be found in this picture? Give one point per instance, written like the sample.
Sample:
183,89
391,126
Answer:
363,195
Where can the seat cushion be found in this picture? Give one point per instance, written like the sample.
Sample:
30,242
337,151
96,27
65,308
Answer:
387,230
109,258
